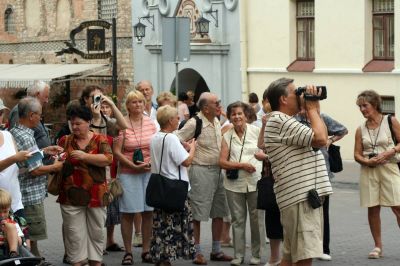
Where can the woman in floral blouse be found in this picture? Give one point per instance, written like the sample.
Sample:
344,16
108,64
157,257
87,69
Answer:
83,187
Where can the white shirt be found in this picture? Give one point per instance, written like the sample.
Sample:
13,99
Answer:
153,116
173,156
246,182
9,176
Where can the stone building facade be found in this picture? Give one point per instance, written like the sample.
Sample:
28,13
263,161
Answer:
31,31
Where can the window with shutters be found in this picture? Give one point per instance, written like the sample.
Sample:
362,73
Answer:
305,30
387,105
383,29
107,9
9,21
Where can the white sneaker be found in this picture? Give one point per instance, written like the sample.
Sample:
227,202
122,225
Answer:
325,257
273,264
255,261
266,240
237,261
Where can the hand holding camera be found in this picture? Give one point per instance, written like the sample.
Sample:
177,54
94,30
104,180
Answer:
375,159
312,93
309,97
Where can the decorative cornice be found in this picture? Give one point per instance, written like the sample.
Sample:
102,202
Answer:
39,46
333,71
195,49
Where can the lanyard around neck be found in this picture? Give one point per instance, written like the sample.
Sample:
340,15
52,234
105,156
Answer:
134,133
230,144
376,137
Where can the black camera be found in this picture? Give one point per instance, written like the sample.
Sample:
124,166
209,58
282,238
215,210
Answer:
372,155
308,97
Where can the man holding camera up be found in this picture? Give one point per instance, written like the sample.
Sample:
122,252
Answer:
301,179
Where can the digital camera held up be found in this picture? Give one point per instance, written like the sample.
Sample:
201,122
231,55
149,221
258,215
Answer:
300,90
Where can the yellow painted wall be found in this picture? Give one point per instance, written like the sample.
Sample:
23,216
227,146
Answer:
343,46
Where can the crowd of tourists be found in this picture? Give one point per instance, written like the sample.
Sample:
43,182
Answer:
274,156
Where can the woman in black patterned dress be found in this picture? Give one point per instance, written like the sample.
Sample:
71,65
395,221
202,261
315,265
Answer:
172,232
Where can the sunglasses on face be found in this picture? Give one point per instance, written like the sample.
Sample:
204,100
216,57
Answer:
217,103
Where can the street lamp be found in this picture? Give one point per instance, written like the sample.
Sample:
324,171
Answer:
139,29
203,24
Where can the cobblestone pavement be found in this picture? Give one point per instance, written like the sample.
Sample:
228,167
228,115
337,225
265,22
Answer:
350,237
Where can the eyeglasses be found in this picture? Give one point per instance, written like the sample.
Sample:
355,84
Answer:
37,113
217,103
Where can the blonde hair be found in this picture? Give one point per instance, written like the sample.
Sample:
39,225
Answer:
165,96
134,95
5,199
164,114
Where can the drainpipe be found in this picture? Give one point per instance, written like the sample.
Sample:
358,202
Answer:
243,48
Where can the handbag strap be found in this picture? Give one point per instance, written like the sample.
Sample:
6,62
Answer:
241,151
162,152
122,149
391,129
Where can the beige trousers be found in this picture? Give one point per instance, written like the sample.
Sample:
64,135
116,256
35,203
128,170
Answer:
84,232
238,204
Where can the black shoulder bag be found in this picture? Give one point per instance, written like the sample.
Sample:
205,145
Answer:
392,133
164,193
335,159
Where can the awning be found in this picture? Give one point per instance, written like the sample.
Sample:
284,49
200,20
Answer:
23,75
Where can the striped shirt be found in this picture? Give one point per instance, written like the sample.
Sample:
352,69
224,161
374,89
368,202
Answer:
297,168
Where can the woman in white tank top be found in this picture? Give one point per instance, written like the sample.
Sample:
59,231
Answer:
375,150
9,170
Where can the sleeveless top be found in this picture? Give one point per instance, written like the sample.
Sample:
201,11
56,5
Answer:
9,176
377,140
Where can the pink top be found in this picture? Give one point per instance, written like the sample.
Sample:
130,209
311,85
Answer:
138,138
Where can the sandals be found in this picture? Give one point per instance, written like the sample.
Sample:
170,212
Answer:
127,259
146,257
376,253
66,260
114,248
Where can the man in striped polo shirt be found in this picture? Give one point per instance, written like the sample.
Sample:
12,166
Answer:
298,166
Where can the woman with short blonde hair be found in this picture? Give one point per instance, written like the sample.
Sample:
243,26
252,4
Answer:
133,153
172,232
166,98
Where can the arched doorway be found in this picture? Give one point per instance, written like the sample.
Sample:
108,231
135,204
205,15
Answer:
190,79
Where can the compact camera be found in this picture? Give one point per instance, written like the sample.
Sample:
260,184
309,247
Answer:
96,99
300,90
372,155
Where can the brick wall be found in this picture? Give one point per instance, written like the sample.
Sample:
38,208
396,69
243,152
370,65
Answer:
39,45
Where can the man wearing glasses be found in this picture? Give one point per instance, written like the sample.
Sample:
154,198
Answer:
32,172
207,194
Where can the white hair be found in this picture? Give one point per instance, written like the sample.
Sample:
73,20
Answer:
203,99
27,105
37,87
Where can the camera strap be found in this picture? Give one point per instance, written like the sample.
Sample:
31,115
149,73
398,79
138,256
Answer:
230,144
134,133
376,137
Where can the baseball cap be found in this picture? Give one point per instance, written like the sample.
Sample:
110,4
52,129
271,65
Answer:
2,106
